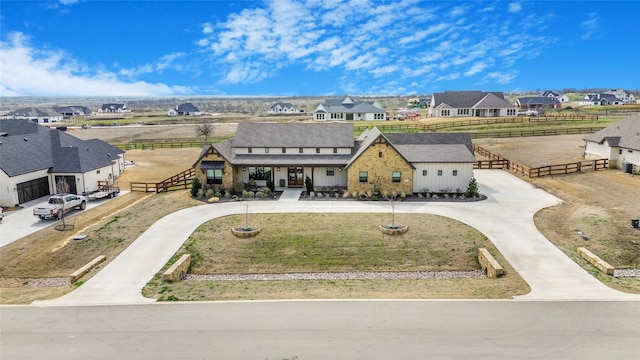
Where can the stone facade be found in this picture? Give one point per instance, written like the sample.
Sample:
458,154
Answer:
380,160
227,171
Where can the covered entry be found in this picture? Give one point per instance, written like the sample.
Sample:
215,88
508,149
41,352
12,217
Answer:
296,176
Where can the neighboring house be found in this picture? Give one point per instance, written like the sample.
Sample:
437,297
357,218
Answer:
349,110
470,104
600,100
626,97
283,108
330,156
33,158
114,108
73,110
550,94
619,142
419,103
564,98
538,103
186,109
34,114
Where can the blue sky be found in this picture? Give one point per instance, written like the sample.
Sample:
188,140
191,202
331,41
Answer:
314,47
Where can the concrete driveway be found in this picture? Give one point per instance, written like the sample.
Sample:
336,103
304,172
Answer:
20,223
506,218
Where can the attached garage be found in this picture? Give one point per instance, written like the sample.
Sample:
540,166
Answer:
32,189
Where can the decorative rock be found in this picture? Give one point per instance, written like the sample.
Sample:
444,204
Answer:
214,199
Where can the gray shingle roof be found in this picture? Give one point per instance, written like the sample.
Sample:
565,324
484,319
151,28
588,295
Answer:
30,112
112,107
537,100
293,135
440,153
50,149
431,139
348,106
187,108
468,99
624,134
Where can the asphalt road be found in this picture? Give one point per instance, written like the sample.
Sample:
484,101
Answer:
325,330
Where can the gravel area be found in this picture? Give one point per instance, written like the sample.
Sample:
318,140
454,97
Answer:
357,275
626,273
34,282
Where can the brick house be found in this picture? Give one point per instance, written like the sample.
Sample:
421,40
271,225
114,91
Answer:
330,156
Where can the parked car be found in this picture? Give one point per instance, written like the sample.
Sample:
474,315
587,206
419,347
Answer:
1,213
529,112
58,205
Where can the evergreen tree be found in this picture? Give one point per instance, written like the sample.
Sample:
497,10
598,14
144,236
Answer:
472,189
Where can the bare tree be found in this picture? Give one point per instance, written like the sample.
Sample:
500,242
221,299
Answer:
205,129
62,187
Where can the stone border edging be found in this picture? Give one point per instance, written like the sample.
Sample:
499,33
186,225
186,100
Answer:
489,263
596,261
76,275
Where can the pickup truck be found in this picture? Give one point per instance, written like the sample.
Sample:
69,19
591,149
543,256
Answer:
58,205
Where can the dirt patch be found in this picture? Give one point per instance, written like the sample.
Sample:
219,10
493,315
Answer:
537,151
150,133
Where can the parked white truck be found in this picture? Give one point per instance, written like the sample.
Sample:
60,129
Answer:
58,205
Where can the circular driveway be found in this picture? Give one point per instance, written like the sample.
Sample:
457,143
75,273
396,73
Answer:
506,218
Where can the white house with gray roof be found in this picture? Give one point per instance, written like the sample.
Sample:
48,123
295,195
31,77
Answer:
33,158
36,115
346,109
283,108
619,142
329,154
470,104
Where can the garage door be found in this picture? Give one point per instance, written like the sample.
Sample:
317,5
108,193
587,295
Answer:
33,189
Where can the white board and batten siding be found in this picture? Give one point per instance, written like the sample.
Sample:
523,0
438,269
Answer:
321,179
435,183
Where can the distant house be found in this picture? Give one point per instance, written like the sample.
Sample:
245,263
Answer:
34,114
538,103
285,154
73,110
470,104
564,98
282,108
619,142
550,94
419,102
114,108
349,110
600,100
33,158
186,109
626,97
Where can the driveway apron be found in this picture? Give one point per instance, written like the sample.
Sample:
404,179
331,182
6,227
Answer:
506,218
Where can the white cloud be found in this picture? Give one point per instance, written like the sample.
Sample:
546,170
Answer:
589,26
500,78
69,2
515,7
207,28
476,68
29,71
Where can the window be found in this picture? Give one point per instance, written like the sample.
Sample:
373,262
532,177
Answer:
463,111
335,150
266,150
439,172
330,171
319,116
284,150
378,116
379,153
445,113
214,176
300,150
336,116
317,150
249,150
364,176
395,176
620,152
424,172
511,111
455,172
260,173
630,151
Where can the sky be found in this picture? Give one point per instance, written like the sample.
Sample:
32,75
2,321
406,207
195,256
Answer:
314,47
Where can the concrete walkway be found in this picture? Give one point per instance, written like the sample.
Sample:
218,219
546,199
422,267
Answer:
506,218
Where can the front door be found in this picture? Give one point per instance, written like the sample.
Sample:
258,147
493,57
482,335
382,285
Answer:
295,177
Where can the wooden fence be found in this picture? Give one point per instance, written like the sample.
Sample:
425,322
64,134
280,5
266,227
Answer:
151,146
178,181
498,162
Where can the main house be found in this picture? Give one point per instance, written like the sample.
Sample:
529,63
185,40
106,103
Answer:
34,158
470,104
329,154
36,115
349,110
619,142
